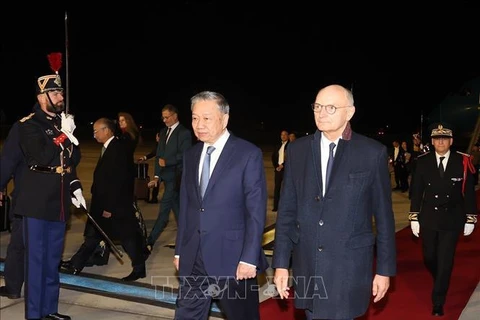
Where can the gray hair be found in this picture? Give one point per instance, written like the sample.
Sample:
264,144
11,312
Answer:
222,103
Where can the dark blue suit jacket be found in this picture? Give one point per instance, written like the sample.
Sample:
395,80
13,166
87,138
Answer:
228,223
332,236
179,141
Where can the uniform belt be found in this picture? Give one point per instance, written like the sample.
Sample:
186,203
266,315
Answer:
49,169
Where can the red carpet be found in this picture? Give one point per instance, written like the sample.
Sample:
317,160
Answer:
409,293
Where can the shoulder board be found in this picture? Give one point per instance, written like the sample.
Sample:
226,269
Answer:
27,117
464,154
423,154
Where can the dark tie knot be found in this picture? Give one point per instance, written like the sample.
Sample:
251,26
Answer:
332,146
441,159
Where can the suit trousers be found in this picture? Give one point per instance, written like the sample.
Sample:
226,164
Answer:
238,300
438,255
277,188
309,316
132,245
170,201
44,242
15,259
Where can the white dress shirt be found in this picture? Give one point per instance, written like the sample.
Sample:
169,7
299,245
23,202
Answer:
445,161
219,145
324,154
171,130
281,153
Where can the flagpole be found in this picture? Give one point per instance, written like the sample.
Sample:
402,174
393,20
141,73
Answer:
67,96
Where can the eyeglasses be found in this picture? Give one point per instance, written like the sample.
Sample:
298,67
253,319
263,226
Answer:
168,117
329,108
96,130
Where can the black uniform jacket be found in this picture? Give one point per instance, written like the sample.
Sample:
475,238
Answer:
45,196
440,202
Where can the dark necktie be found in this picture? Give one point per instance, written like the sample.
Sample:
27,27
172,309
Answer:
441,168
167,134
103,151
329,164
206,171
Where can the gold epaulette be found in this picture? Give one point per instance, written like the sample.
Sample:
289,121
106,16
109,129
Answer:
464,154
27,117
423,154
471,218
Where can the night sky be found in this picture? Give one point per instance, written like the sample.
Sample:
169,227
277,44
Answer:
269,59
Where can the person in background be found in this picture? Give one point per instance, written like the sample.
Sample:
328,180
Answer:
292,136
154,193
398,163
111,205
129,133
223,188
417,150
407,161
443,205
278,161
174,140
129,136
13,165
336,185
476,162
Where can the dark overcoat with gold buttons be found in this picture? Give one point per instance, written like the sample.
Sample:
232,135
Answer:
440,201
331,238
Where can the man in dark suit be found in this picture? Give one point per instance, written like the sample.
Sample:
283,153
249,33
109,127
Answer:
443,204
398,162
223,200
336,182
173,141
111,205
278,159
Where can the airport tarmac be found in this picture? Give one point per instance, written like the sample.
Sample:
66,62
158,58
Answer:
87,303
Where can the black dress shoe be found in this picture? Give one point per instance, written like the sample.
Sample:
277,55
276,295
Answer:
56,316
67,267
134,275
9,295
437,311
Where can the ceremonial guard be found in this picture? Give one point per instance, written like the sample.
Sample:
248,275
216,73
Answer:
47,190
443,204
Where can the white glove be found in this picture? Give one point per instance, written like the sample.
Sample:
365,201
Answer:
68,126
415,228
468,229
78,199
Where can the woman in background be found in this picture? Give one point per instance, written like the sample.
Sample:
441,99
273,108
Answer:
129,133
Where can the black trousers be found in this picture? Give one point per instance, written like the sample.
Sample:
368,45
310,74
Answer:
15,260
278,187
439,255
238,300
132,246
